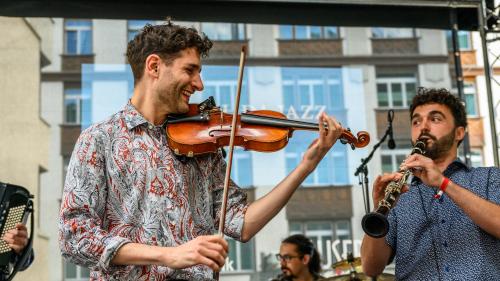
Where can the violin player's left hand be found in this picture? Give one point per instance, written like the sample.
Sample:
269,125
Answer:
327,138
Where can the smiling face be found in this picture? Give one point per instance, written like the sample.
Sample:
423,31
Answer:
435,124
178,80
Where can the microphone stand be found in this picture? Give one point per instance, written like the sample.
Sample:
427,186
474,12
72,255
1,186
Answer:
362,171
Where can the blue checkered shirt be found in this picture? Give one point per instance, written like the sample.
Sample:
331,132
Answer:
435,240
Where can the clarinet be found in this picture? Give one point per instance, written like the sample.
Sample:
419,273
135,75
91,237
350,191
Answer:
375,224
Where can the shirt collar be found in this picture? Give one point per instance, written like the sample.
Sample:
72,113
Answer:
455,166
132,117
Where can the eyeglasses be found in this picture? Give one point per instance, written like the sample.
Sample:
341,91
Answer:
286,258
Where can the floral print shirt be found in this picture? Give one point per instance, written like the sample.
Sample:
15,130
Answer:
124,185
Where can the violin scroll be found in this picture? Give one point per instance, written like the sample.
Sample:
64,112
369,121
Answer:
362,140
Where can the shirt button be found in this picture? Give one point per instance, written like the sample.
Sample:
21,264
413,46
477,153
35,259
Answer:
447,268
445,244
443,221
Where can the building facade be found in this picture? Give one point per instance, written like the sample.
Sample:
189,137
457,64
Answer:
24,145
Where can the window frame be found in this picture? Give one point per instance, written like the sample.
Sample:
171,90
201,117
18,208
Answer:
389,81
234,30
308,32
317,235
298,100
461,34
78,271
394,154
79,105
240,256
386,30
134,27
471,90
78,30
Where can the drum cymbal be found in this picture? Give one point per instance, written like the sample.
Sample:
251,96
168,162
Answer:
361,277
346,265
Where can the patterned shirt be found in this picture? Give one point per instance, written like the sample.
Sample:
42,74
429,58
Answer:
435,240
125,185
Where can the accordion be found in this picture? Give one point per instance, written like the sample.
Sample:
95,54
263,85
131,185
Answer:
15,207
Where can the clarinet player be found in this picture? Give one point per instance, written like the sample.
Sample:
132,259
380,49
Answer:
447,224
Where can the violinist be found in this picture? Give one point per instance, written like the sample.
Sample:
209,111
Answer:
131,210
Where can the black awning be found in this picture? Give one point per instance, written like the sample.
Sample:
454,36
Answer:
389,13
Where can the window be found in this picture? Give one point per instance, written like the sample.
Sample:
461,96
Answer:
395,91
392,158
75,273
66,159
307,93
224,31
134,26
476,156
72,105
470,99
78,37
331,170
240,257
379,32
242,167
224,93
301,32
326,235
464,40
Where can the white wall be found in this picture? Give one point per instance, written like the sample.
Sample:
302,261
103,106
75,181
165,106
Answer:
109,41
51,182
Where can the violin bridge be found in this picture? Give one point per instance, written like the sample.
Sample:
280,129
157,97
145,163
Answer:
176,151
190,154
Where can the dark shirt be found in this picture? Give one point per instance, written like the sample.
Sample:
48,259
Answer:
435,240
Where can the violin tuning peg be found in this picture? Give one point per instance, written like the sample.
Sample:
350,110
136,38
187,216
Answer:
352,146
348,129
343,140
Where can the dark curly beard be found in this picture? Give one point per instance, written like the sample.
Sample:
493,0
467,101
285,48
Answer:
440,147
283,277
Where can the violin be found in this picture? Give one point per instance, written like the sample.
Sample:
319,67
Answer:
205,128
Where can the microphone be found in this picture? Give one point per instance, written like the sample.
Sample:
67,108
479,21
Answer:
390,143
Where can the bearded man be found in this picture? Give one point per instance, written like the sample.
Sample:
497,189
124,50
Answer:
299,260
447,224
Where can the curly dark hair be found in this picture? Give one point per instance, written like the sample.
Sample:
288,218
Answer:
444,97
166,40
306,247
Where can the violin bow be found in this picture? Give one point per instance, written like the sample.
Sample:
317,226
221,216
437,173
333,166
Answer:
222,220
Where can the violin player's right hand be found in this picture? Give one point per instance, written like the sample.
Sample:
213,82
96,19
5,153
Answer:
327,138
210,250
381,183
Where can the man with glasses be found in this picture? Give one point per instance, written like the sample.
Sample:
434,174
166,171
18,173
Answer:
299,260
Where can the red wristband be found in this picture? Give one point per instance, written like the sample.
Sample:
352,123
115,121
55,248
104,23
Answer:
442,187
